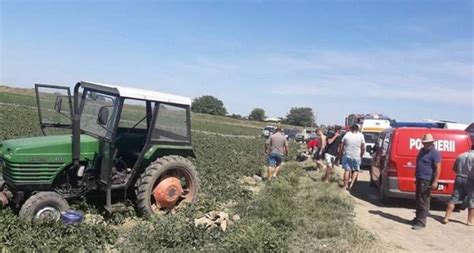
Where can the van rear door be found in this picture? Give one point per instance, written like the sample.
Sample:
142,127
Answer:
379,164
449,143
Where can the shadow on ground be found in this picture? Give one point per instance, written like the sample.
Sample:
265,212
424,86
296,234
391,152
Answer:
363,191
390,216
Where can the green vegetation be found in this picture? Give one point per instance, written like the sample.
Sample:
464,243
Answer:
300,116
257,114
222,128
16,121
209,105
296,212
19,236
17,99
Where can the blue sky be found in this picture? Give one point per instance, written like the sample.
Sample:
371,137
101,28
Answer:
409,60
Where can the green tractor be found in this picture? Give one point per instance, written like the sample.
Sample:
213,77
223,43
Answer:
124,142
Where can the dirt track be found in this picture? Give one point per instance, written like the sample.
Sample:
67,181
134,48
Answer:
391,224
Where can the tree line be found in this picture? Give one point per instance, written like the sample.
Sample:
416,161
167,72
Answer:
298,116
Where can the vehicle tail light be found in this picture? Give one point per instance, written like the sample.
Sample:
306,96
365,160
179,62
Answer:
392,169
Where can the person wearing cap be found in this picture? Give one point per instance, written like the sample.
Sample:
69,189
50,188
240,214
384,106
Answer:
463,186
276,147
428,169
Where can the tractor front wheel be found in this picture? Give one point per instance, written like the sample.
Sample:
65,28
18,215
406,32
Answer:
166,184
43,206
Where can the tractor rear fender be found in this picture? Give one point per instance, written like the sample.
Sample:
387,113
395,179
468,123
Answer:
160,150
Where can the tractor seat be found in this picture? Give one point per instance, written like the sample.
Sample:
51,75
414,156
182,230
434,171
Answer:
130,145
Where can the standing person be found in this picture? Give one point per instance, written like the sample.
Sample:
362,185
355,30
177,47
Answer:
331,152
428,169
323,142
353,148
276,147
463,186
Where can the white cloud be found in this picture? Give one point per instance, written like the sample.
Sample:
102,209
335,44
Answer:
436,74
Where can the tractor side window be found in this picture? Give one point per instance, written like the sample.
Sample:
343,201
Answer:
54,106
133,114
171,124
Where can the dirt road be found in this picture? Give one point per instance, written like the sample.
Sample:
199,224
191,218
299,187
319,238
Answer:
391,224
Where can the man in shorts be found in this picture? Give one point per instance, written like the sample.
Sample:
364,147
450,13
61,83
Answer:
331,152
276,147
353,148
463,186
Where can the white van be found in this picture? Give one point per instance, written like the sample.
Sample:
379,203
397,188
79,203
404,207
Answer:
371,129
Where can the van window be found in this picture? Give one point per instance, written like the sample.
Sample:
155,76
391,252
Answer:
386,143
380,140
371,137
470,128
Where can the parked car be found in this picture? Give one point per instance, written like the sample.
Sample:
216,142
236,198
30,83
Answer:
394,160
290,133
268,130
299,137
305,135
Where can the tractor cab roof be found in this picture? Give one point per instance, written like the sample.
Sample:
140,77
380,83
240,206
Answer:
137,93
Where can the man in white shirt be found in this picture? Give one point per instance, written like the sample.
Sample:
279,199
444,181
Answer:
353,148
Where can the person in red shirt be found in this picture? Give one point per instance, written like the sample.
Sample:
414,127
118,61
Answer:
312,145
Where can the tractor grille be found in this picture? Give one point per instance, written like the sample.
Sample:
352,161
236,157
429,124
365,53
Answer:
14,173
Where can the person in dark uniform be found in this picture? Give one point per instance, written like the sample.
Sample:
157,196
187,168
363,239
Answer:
428,169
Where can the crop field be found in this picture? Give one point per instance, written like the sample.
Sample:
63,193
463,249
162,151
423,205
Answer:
294,213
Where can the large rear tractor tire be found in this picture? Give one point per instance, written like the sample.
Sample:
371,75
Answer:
43,206
168,183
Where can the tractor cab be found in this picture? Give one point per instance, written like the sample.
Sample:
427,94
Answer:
104,138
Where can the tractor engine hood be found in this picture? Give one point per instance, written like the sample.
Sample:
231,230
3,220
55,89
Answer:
47,149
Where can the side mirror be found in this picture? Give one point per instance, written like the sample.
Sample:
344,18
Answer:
103,116
93,95
373,149
369,149
58,104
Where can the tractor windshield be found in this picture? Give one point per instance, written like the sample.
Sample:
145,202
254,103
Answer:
98,113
